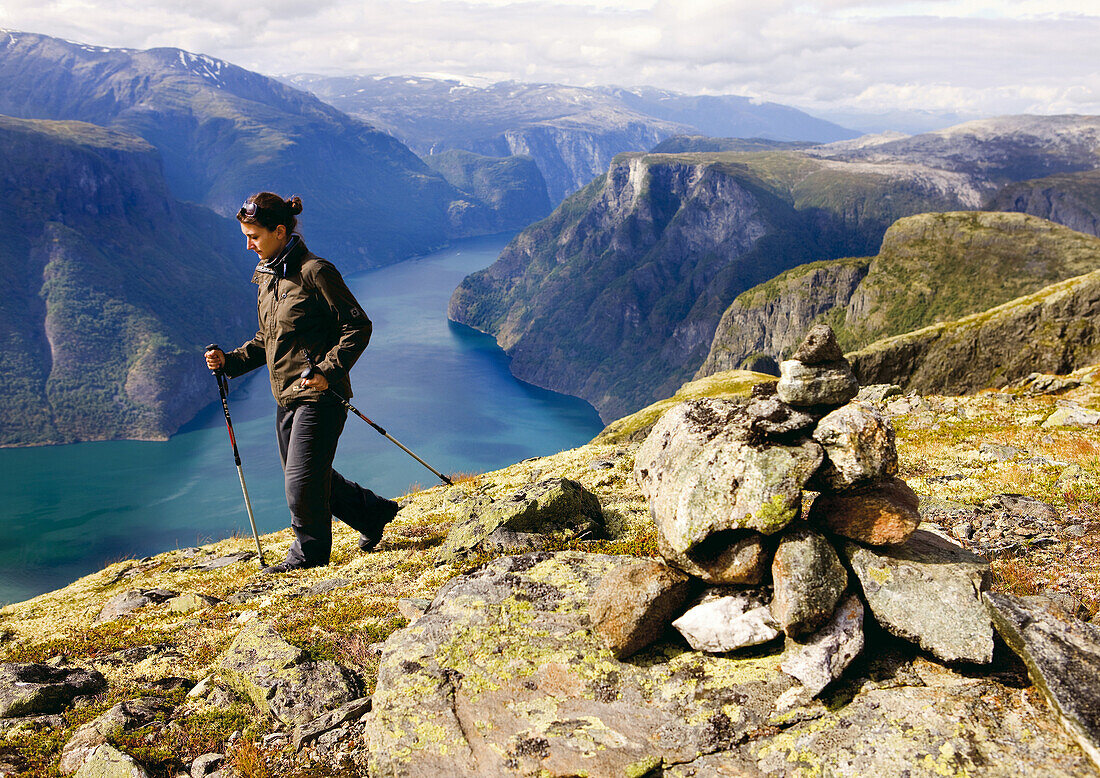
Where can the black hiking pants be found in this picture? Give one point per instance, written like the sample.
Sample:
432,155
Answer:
308,433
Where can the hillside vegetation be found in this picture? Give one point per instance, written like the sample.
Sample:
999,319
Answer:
931,268
107,288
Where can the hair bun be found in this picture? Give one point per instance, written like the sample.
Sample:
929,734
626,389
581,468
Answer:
294,205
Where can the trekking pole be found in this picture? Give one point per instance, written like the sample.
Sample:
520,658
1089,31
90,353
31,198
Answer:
308,373
223,389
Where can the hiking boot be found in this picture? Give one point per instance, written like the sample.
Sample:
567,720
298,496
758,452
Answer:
385,514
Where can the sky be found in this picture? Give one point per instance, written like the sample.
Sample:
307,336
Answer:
831,57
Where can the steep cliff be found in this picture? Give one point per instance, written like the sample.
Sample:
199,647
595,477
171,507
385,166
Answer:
1072,199
224,132
615,297
931,268
1054,330
111,288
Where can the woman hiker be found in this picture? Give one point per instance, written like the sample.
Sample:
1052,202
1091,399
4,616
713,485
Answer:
308,317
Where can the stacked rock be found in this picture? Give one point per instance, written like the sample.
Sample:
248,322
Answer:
726,482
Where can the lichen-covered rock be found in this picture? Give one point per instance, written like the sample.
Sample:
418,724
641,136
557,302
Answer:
928,590
881,514
504,674
703,476
108,762
807,579
279,678
557,507
131,600
1072,416
733,557
725,619
634,603
1062,655
859,447
819,347
819,659
124,717
769,416
813,386
952,726
28,689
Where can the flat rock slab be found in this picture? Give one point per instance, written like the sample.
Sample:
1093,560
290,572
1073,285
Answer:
505,675
556,508
1062,656
812,386
928,590
131,600
28,689
281,680
961,728
704,474
108,762
885,513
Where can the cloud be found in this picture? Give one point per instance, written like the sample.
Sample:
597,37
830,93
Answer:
969,56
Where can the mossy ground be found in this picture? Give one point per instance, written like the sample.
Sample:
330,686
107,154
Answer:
347,618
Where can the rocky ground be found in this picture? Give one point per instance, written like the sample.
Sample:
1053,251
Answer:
190,663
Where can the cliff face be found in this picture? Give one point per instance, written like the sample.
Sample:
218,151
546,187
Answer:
931,268
111,288
1055,330
224,133
1072,199
512,188
616,295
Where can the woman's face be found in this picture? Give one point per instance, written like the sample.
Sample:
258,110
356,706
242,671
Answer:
266,243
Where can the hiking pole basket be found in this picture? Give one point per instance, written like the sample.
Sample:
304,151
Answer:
223,390
308,373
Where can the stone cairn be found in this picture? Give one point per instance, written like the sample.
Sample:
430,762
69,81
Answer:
727,483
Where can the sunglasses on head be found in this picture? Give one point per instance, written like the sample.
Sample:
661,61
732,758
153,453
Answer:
248,212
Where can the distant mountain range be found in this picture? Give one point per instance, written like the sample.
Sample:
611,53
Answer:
616,297
224,132
571,132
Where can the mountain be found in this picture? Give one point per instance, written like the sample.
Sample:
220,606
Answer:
1072,199
111,288
615,296
512,187
224,132
931,268
1054,331
573,133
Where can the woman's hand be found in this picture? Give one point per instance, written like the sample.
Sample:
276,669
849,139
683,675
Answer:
316,381
215,359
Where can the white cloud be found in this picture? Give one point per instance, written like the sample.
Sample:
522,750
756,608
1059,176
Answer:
968,56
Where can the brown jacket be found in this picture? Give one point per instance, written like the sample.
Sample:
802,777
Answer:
306,312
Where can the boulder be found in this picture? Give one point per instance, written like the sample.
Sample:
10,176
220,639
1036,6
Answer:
28,689
108,762
808,579
191,602
703,476
207,764
881,514
351,711
729,557
558,507
859,447
279,678
819,659
131,600
814,386
927,590
725,619
634,603
1072,416
505,675
125,716
1062,656
819,347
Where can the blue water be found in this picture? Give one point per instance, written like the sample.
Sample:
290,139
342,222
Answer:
441,389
